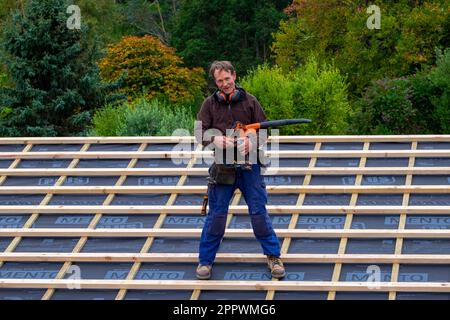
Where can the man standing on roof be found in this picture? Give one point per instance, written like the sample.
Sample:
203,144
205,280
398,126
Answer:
220,111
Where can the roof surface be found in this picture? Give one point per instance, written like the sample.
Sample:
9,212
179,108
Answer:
359,217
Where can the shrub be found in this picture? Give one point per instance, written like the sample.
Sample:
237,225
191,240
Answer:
440,79
417,104
142,118
273,89
107,120
320,94
388,107
312,91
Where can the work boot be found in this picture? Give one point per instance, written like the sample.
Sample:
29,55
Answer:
276,267
203,272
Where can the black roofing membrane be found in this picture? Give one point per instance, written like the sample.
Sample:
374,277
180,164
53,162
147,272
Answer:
320,221
192,199
110,244
106,221
324,199
175,245
287,162
20,199
387,162
184,221
170,147
102,163
100,270
154,181
314,245
365,272
89,181
290,146
332,180
383,180
424,199
240,245
370,246
432,162
363,221
77,199
140,199
342,146
162,163
55,147
337,162
424,273
379,200
168,271
16,181
4,242
426,246
114,147
47,244
11,147
390,146
4,164
63,221
427,222
433,145
13,221
30,270
196,181
21,294
431,180
128,221
43,164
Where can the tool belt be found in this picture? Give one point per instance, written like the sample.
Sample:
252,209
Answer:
222,174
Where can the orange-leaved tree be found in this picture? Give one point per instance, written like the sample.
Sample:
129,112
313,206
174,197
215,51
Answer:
154,70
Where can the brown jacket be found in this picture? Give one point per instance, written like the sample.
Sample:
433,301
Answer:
221,115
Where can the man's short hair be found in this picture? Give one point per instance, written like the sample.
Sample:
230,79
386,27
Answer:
221,65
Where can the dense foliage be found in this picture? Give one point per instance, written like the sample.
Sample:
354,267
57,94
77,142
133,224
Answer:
152,69
55,79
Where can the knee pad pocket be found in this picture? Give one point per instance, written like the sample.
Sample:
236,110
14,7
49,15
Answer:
261,227
217,225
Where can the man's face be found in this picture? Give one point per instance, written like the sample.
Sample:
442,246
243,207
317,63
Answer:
225,80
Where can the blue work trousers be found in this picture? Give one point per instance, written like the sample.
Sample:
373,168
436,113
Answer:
253,189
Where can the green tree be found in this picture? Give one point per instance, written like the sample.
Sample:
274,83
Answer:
235,30
56,83
334,29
